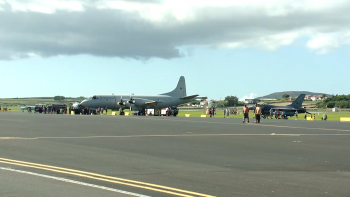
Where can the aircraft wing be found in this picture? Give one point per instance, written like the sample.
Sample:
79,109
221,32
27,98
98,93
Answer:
289,109
190,97
284,109
152,102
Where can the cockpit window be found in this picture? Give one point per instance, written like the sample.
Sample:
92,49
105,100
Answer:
93,98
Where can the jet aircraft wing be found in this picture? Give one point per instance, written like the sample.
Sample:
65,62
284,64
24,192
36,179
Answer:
288,109
190,97
284,109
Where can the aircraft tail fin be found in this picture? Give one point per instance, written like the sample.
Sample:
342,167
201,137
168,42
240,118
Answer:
299,101
180,90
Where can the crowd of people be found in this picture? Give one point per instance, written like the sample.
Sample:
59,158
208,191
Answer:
277,114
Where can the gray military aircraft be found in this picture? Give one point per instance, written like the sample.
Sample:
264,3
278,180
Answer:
142,102
289,110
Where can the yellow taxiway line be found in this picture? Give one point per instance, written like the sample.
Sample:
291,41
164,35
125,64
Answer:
100,177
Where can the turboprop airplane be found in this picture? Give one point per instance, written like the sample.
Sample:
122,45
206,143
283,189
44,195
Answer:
141,102
289,110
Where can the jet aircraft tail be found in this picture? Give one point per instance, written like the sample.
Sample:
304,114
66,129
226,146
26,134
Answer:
180,90
299,101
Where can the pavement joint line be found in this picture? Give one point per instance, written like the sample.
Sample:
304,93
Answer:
90,175
184,135
251,124
168,119
75,182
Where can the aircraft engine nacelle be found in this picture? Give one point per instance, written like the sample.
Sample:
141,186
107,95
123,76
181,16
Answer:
132,102
121,103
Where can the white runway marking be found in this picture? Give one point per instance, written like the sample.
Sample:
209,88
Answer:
181,135
250,124
75,182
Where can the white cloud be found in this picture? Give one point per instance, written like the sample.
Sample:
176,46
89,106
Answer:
251,96
156,28
46,6
325,43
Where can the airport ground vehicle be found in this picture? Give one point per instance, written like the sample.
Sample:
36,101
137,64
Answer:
57,108
172,111
39,108
28,108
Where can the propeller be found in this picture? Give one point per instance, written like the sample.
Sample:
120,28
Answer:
131,101
121,101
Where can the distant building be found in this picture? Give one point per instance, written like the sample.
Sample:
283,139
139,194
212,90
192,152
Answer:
203,103
267,99
308,97
248,101
316,98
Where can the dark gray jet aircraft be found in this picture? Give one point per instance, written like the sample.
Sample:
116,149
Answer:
142,102
289,110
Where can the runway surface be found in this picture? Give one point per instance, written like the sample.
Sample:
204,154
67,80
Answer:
64,155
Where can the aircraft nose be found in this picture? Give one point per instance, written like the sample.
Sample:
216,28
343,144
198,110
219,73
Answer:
83,103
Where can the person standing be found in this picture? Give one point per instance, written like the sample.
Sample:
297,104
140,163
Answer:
210,112
256,105
305,116
106,110
224,113
275,114
245,113
271,111
227,112
296,115
257,114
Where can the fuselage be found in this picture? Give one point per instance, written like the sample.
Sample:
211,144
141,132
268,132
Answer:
116,102
288,110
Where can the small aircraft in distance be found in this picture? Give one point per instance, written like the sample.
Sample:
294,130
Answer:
289,110
141,102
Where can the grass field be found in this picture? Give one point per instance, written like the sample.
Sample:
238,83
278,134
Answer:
332,116
12,103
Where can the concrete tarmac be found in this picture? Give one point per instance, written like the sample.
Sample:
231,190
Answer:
178,156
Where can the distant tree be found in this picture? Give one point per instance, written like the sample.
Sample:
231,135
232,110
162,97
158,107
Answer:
294,98
222,103
59,98
285,96
231,100
323,96
81,97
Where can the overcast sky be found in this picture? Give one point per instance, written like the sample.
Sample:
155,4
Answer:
222,47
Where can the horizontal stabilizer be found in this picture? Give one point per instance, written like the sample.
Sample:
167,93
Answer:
190,97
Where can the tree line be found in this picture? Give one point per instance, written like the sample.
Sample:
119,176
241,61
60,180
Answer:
339,101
